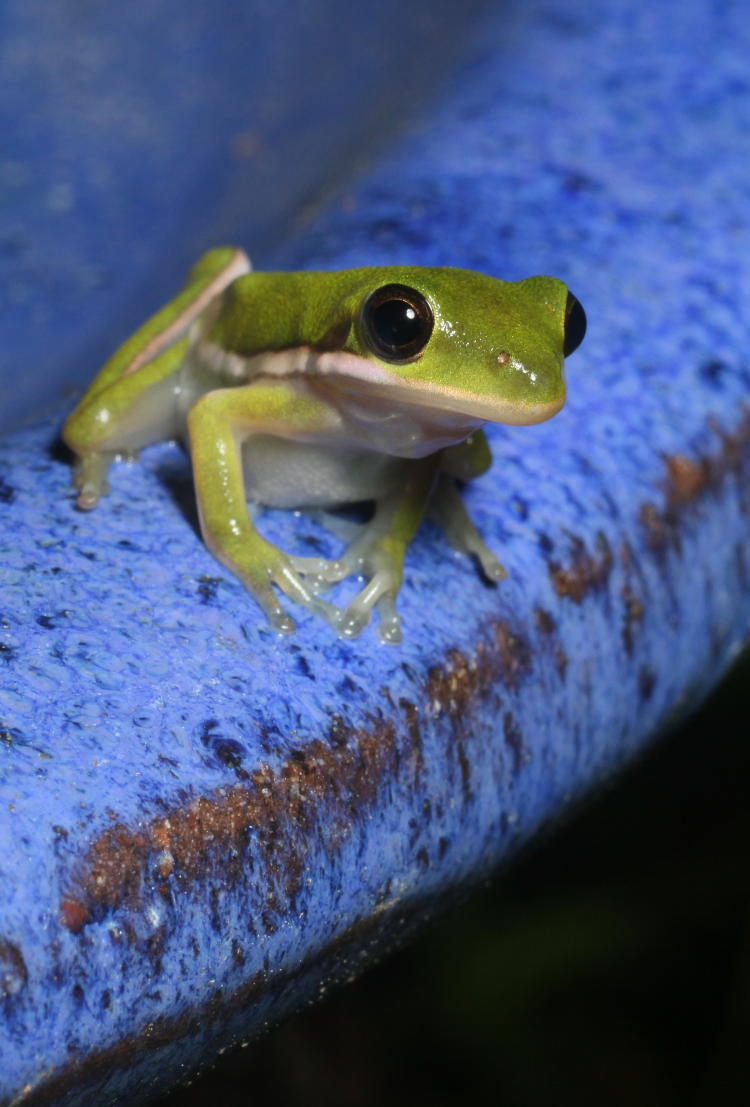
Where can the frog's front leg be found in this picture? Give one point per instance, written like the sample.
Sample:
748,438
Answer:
378,552
218,425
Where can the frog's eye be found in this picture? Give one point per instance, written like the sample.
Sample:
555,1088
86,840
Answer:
397,322
575,325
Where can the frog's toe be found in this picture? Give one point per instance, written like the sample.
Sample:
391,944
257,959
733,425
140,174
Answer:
389,627
87,499
281,622
377,592
266,598
492,568
321,571
90,480
293,586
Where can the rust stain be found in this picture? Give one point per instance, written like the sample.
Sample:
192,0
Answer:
317,791
453,688
279,809
545,621
632,599
687,480
585,572
13,972
411,714
507,661
514,654
548,629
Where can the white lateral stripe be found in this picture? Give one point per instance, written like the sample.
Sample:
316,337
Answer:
236,267
306,361
295,361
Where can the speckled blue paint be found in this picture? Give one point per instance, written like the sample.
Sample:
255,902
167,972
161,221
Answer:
603,143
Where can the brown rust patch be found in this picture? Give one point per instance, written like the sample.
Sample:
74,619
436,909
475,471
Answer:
316,792
514,654
411,714
13,972
506,661
585,572
633,604
548,629
452,690
687,480
544,621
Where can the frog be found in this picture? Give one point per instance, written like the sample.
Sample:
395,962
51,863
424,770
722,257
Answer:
319,389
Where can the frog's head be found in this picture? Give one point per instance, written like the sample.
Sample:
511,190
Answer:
464,342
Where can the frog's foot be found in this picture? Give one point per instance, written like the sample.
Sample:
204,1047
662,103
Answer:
384,578
379,557
90,479
278,569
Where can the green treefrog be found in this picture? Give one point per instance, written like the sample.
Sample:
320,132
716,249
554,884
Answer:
318,389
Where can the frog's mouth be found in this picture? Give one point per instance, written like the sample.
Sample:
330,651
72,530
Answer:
361,375
370,380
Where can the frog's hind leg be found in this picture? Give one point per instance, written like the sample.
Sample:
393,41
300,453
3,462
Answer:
132,401
448,511
121,419
218,424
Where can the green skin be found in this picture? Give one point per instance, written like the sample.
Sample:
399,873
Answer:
270,379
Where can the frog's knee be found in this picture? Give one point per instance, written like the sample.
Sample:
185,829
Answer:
228,260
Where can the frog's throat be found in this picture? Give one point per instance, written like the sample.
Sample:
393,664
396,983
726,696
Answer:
375,380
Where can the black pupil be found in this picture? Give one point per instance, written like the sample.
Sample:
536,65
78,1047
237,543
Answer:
398,322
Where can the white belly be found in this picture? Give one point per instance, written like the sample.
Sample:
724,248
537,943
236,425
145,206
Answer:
283,473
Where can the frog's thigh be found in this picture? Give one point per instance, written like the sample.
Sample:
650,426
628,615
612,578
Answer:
131,412
218,424
125,415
